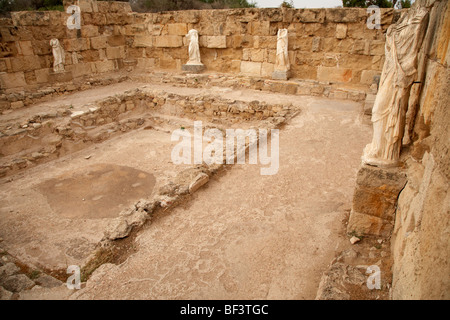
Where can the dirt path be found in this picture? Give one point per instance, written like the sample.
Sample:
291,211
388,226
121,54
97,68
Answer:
247,236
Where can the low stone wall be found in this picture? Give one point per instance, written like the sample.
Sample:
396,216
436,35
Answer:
333,45
46,136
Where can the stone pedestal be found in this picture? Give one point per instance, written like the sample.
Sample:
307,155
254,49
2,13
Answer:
193,68
375,200
64,76
280,75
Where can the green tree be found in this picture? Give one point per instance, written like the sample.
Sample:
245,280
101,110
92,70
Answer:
379,3
354,3
406,4
287,4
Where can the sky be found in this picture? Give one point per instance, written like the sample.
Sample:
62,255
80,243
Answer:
300,3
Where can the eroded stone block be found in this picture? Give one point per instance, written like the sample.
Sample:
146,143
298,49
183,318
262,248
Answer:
375,200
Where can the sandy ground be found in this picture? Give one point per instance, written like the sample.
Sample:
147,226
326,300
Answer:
243,236
247,236
54,214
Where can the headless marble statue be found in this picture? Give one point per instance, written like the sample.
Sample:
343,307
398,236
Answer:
282,59
403,41
58,56
194,51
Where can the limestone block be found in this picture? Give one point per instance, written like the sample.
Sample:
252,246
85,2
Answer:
256,55
304,90
98,42
334,74
177,29
5,65
89,31
168,41
267,42
88,5
41,47
42,75
363,224
216,42
315,46
376,47
193,68
368,104
359,47
103,66
17,104
80,69
305,71
143,41
259,28
235,66
145,63
135,29
116,40
78,44
281,75
242,41
267,69
309,15
31,18
117,229
375,200
115,52
199,180
25,48
367,76
338,95
345,14
17,283
360,31
64,76
113,6
341,31
25,63
94,18
251,68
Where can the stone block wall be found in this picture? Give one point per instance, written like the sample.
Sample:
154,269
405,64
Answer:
26,57
324,44
420,240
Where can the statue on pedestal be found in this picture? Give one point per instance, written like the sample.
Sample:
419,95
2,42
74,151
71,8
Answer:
403,41
282,65
58,56
194,64
194,51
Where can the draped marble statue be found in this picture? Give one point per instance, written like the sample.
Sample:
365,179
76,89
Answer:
282,65
194,51
194,64
282,60
58,56
403,41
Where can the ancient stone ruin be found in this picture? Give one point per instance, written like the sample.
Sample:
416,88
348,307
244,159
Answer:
97,100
